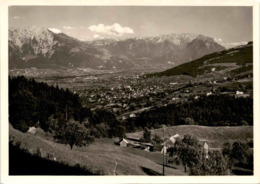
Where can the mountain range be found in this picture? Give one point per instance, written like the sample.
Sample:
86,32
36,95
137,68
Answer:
42,48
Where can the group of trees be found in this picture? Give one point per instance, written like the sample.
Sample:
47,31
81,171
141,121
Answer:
105,124
238,154
214,110
190,154
58,111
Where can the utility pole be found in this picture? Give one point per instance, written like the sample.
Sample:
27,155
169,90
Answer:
163,149
66,112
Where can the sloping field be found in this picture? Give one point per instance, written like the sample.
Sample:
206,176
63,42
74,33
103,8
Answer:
103,156
215,136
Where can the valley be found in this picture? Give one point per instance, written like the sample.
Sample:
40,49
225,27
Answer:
131,92
80,110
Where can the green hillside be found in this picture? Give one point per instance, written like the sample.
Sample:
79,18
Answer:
215,136
102,157
233,61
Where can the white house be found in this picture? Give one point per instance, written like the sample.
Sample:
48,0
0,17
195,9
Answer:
239,93
32,130
132,115
209,93
174,137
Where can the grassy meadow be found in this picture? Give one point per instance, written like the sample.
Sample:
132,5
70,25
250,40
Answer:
215,136
103,156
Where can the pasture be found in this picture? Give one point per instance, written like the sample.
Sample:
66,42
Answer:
215,136
103,155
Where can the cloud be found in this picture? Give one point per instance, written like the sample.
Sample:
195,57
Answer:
113,30
68,27
16,17
55,30
96,36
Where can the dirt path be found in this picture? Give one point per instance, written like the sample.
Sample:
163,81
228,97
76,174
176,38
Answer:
116,163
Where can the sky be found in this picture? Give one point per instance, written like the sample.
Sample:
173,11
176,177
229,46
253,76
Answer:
227,25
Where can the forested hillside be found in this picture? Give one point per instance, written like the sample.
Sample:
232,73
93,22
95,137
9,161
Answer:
212,110
31,102
56,110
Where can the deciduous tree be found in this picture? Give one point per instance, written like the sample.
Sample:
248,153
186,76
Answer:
73,133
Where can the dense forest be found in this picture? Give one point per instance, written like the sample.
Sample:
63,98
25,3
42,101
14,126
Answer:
56,110
215,110
31,102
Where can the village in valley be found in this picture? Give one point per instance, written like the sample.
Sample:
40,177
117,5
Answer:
132,93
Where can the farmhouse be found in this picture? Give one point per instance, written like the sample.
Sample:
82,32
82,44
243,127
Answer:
169,143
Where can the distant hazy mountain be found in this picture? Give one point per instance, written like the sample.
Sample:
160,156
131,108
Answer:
42,48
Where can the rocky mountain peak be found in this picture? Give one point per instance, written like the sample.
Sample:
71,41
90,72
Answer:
36,39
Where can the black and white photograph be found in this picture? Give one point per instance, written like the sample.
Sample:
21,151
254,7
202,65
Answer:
130,90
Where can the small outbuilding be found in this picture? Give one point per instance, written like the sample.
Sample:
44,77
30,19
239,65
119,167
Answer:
123,143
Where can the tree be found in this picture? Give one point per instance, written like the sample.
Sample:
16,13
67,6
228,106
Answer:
73,133
120,131
147,135
157,139
130,125
188,121
187,151
190,154
215,164
84,113
103,129
240,153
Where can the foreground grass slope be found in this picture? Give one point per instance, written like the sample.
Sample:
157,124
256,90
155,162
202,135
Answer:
101,157
215,136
